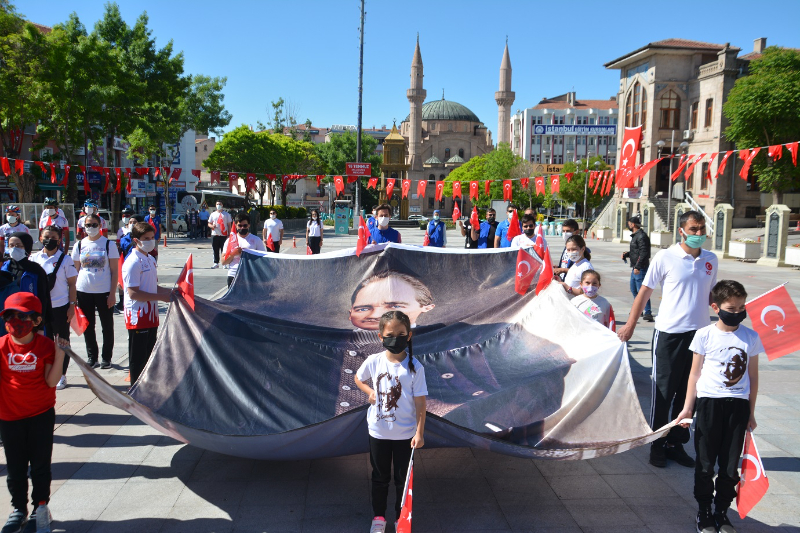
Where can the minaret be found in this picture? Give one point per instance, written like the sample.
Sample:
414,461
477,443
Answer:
416,96
504,98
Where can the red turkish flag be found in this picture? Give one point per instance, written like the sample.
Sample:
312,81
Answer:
128,186
19,166
507,190
792,147
748,162
474,193
372,183
591,179
597,180
42,167
86,188
540,243
270,241
338,183
711,159
186,282
66,175
79,322
176,173
215,177
421,184
569,175
363,235
456,212
389,188
142,171
106,179
546,275
525,182
118,187
610,182
53,167
681,164
404,522
753,483
539,184
474,219
487,187
404,188
775,318
513,226
285,181
775,151
6,166
233,180
693,164
195,173
319,179
128,173
439,190
456,189
721,166
524,273
630,146
250,182
555,183
233,243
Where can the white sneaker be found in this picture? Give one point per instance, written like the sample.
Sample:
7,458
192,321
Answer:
378,525
62,383
216,265
43,519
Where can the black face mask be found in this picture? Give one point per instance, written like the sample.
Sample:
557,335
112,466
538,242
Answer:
396,344
243,231
50,244
530,232
731,319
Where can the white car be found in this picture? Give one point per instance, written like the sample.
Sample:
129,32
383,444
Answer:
417,217
178,223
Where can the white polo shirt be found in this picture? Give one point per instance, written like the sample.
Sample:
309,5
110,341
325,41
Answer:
245,243
686,284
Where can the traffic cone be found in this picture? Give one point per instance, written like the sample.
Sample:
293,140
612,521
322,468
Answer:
798,226
294,242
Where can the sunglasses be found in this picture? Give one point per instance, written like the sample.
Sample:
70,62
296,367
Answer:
528,227
92,225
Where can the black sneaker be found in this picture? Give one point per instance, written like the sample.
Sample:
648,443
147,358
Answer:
16,520
723,524
30,527
679,455
648,318
705,521
657,456
105,365
92,364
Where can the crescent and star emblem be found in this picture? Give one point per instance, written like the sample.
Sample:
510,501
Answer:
520,273
625,148
754,461
778,327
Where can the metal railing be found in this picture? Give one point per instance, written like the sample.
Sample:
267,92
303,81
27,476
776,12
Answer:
696,207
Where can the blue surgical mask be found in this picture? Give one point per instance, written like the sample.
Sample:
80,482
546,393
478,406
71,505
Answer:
694,241
435,217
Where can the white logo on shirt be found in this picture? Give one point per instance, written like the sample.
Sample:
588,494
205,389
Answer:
22,362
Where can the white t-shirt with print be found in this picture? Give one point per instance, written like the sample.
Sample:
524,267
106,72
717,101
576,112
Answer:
273,228
94,275
249,242
7,229
393,417
573,278
598,308
726,357
522,241
59,295
217,218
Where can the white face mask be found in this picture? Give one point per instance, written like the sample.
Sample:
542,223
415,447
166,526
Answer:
125,221
11,219
273,216
566,235
147,246
91,232
152,212
17,254
573,256
90,210
383,221
51,212
219,207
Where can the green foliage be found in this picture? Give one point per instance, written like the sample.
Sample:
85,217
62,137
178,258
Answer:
341,149
202,108
283,212
572,191
764,109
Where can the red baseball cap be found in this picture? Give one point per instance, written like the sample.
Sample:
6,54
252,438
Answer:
24,302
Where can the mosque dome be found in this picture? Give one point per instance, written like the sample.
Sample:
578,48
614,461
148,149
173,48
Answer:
446,110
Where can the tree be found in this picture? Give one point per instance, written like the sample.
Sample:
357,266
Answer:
497,165
202,108
571,191
334,155
764,109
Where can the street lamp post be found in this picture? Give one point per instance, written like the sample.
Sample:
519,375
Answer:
585,190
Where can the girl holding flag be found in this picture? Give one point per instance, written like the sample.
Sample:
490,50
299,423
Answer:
396,416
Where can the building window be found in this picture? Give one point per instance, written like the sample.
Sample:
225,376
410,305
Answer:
446,154
670,111
195,149
536,140
558,159
536,120
559,139
433,126
591,141
612,161
612,141
205,148
449,126
536,158
690,182
581,140
558,119
704,176
591,121
430,203
547,140
432,177
695,107
709,112
636,107
601,141
461,153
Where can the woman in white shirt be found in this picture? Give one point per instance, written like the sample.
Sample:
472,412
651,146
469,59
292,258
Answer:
577,253
61,277
96,258
314,232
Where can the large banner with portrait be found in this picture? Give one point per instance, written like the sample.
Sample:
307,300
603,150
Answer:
267,371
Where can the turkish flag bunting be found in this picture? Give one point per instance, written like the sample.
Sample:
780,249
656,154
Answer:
6,166
591,178
19,166
711,159
602,179
693,164
546,275
555,183
597,181
682,163
79,322
775,318
775,151
404,188
421,184
157,173
630,146
513,227
473,190
319,179
525,182
372,183
128,187
524,273
338,183
352,179
456,212
721,166
128,173
271,177
753,483
404,522
186,282
539,184
474,219
569,175
106,179
233,243
195,173
363,235
507,190
118,188
86,188
609,183
389,188
66,175
286,182
176,173
456,189
142,171
792,147
250,182
214,177
233,180
747,162
439,190
487,187
53,176
42,167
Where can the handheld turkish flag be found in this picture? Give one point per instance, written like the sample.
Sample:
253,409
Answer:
540,244
456,189
79,322
421,184
186,282
338,183
308,250
389,188
404,188
372,183
404,522
524,273
753,483
474,219
775,318
513,226
270,242
612,321
456,212
363,235
439,190
507,190
233,243
630,146
473,190
546,275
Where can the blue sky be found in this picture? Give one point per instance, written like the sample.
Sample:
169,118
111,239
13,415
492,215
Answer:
307,52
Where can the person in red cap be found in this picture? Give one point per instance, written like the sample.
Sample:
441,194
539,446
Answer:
30,367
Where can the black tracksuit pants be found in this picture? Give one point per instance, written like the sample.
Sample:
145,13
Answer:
28,442
217,244
140,345
60,326
382,453
718,439
672,364
88,302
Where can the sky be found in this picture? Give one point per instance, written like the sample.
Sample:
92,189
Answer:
307,52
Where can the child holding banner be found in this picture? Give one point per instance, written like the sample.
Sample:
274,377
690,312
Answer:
396,416
724,380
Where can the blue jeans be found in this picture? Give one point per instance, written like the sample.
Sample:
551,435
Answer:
636,286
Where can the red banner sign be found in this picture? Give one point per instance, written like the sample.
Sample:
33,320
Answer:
358,169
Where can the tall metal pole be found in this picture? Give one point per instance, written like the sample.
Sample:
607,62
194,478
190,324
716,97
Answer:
357,211
585,189
669,178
